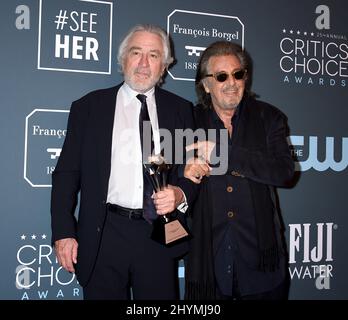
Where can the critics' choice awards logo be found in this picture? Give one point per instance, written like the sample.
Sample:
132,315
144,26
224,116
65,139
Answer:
45,131
75,36
319,153
38,274
317,57
310,252
192,32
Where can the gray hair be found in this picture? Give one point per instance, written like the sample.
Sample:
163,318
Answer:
219,48
122,50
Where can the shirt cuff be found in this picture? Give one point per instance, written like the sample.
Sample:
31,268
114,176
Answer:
183,206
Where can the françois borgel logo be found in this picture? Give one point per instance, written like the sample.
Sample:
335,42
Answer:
45,131
75,36
315,56
38,274
193,31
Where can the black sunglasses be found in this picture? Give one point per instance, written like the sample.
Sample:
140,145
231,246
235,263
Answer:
223,76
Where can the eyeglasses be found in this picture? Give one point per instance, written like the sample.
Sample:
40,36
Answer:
223,76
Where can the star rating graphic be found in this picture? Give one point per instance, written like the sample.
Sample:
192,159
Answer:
33,236
298,32
317,34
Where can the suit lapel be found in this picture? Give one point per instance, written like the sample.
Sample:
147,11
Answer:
164,112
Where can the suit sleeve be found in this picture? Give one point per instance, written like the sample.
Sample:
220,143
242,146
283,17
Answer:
188,187
272,165
66,180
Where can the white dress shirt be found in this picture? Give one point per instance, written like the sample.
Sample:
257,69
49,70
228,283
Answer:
126,176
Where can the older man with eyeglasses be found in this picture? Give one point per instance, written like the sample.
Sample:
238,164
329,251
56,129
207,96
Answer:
236,251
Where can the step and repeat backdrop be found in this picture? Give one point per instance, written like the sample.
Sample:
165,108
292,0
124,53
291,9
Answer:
53,52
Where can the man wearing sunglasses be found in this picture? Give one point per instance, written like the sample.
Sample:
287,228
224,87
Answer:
237,250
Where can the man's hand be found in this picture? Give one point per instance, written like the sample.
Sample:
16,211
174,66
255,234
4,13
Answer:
196,169
66,251
168,199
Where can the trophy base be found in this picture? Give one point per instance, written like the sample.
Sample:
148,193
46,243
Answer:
169,233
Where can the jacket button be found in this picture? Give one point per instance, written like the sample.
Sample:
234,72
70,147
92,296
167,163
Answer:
230,214
236,174
98,229
103,202
229,189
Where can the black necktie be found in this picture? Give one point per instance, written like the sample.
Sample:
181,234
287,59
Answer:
149,210
143,116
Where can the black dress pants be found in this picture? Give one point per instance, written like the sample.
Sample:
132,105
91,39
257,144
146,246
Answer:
129,258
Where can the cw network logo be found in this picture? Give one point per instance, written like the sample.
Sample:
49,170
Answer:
321,153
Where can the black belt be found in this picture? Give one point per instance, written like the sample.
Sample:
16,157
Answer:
132,214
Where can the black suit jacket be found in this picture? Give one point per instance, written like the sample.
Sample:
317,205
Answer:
84,167
259,154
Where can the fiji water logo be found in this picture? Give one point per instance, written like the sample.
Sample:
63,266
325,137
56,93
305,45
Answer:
310,253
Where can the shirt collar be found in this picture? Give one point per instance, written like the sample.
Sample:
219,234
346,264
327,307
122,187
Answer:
130,93
236,114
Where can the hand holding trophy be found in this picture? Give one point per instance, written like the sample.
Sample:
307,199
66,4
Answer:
166,230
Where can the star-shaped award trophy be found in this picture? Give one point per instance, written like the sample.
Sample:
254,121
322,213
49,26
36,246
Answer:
167,229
